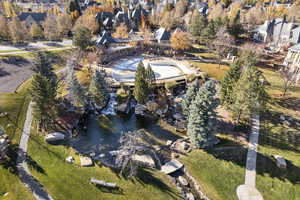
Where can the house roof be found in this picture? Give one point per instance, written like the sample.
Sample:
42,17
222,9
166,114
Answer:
295,48
162,34
38,17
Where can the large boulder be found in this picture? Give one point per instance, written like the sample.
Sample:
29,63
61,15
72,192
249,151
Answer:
55,137
86,161
280,161
144,160
171,167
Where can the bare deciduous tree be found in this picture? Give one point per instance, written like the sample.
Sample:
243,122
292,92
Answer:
132,143
288,76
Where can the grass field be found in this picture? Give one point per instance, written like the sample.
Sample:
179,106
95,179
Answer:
65,181
15,104
219,175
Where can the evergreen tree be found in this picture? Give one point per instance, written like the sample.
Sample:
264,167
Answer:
43,92
189,98
235,27
202,116
251,95
76,90
141,90
98,89
198,23
150,77
229,82
82,37
42,65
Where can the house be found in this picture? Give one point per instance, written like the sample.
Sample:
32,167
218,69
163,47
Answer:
162,35
30,18
278,3
104,40
105,19
292,60
278,31
202,7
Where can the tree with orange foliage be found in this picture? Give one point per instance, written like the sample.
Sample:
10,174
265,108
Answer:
121,32
181,41
88,21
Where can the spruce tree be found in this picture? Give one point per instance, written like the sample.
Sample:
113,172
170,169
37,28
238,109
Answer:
42,65
43,92
251,95
76,90
189,98
229,82
198,23
98,89
141,90
150,77
202,116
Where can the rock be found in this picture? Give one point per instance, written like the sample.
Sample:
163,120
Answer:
4,114
156,147
178,99
54,137
113,153
169,142
190,196
178,116
180,146
70,159
92,154
280,161
171,166
287,123
140,109
182,181
282,117
152,106
86,162
102,155
180,125
145,160
174,155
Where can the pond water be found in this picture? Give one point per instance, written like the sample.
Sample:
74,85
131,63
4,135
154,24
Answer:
103,133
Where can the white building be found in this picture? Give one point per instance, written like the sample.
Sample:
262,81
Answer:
292,60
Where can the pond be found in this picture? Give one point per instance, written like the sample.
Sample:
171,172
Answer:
103,132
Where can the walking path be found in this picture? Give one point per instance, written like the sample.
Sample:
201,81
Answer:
248,191
30,182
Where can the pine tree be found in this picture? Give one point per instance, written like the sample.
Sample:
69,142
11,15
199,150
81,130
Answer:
229,82
189,98
43,92
150,77
82,37
98,89
76,90
42,65
198,23
141,90
202,116
251,95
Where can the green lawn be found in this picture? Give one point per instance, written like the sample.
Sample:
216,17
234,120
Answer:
15,104
66,181
220,175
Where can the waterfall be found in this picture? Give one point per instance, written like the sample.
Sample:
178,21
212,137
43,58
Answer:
110,107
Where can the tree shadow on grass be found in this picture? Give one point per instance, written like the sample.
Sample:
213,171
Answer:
34,165
117,190
289,103
274,132
10,162
15,60
264,164
146,177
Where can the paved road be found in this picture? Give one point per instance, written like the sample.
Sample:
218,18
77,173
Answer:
30,182
248,191
41,45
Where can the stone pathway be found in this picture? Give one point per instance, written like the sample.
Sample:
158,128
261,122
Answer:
248,191
30,182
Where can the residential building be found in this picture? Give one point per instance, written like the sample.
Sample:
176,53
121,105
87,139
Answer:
292,60
278,31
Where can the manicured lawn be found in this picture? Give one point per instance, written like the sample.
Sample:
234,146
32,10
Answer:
66,181
15,104
220,175
213,70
